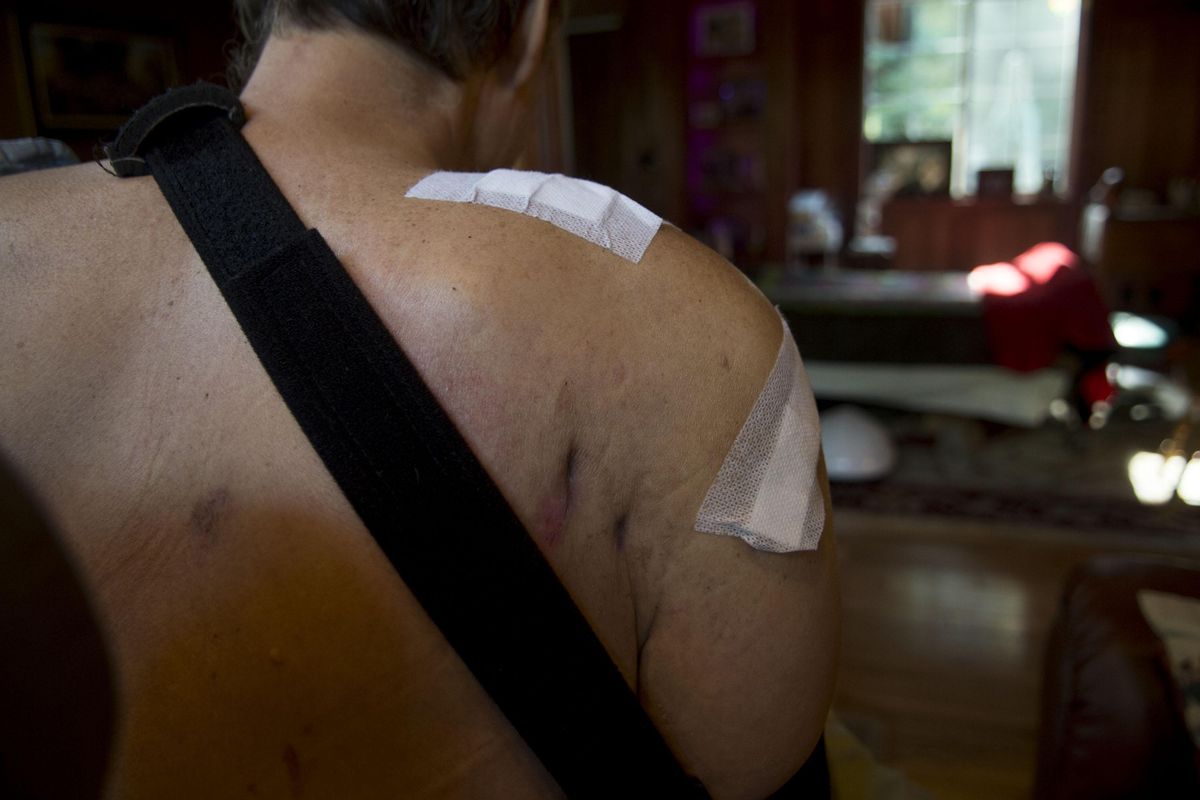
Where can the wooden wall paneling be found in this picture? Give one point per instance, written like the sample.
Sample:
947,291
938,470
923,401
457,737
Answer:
827,61
551,144
922,230
779,27
735,109
1141,110
596,104
653,110
629,89
16,104
626,67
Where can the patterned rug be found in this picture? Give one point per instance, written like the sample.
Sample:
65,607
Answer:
1032,508
1050,476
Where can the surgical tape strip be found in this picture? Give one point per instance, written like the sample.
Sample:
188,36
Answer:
768,492
588,210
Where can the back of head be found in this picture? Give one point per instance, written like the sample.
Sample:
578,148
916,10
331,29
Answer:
456,37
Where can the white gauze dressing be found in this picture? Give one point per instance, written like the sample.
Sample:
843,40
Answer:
588,210
767,492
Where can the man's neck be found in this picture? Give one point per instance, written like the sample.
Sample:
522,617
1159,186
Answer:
356,93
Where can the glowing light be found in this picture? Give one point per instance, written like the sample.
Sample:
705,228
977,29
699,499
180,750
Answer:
1063,7
1044,261
1137,332
1155,476
1189,482
1002,279
1128,377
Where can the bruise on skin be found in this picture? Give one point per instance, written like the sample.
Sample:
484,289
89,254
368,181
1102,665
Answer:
291,760
563,402
619,374
207,513
621,530
552,516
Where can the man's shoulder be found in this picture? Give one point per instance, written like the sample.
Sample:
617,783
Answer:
711,336
51,206
38,211
582,250
28,189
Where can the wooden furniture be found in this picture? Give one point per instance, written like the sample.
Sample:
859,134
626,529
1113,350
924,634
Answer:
1110,726
1149,262
882,316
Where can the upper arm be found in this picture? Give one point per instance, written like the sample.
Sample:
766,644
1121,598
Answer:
737,661
738,670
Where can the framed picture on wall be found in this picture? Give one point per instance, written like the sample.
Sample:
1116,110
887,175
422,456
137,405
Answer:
906,169
724,30
93,79
995,182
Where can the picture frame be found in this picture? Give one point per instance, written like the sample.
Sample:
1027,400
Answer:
93,79
911,168
724,30
995,182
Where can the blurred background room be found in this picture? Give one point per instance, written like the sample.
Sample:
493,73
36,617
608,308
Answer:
981,219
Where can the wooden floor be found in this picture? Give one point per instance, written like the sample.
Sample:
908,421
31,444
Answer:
945,623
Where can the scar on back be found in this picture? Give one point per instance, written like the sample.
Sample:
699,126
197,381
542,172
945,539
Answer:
291,761
554,510
207,513
552,519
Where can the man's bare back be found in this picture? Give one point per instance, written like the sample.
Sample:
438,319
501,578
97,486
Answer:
263,645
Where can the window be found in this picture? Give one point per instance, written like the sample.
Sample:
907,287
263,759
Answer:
994,77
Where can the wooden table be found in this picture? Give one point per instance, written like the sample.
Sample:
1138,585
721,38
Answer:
890,316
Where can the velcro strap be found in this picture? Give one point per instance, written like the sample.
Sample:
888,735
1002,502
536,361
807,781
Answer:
126,153
409,474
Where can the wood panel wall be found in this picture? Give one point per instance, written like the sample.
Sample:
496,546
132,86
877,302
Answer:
202,30
826,127
1141,101
627,95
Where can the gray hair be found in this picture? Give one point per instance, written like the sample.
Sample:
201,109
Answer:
455,36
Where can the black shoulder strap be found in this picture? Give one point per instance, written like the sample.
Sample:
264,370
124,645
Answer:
412,478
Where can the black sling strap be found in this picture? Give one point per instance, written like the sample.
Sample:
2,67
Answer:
434,511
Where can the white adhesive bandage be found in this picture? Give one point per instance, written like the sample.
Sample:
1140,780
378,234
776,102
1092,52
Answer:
589,210
767,492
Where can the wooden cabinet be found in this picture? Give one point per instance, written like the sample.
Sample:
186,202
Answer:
1150,263
946,234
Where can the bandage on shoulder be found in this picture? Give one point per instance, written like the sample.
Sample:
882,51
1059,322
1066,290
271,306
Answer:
589,210
767,492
